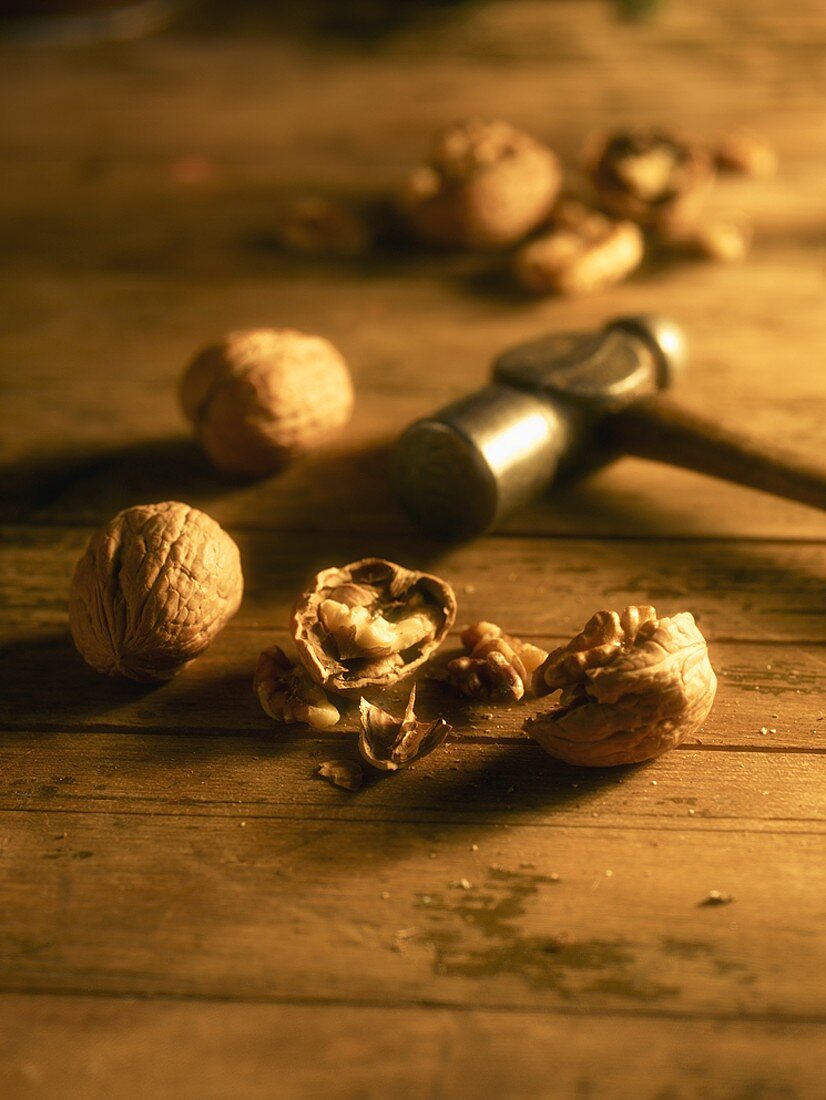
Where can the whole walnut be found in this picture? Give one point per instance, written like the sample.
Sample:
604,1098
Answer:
632,686
263,396
486,185
153,588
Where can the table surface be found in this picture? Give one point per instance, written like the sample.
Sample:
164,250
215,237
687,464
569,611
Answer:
186,910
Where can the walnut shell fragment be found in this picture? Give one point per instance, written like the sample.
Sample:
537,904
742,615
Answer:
342,773
287,694
486,185
153,588
260,397
582,253
648,176
499,666
390,743
370,623
632,685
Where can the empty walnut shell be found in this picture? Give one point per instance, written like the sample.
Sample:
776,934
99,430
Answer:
390,743
154,587
486,185
370,623
259,398
648,176
632,685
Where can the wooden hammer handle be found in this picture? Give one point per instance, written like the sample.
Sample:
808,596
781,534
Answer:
661,429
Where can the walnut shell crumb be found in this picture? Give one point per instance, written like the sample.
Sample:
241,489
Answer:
342,773
633,685
390,743
153,588
260,397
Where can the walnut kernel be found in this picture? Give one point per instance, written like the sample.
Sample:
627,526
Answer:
632,685
582,252
260,397
153,588
370,623
390,743
486,185
287,694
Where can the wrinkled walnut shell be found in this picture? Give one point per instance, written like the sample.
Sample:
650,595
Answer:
154,587
648,176
632,685
390,743
261,397
347,626
486,185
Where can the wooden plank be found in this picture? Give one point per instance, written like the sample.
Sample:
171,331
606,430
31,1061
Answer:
88,449
99,1047
273,777
273,910
45,686
546,588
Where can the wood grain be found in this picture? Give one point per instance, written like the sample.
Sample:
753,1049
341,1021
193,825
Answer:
186,910
207,1050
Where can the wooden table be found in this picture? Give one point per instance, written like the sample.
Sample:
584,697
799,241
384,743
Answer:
186,911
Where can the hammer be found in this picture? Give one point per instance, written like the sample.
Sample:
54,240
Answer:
566,404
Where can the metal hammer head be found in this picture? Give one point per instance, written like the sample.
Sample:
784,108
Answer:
460,471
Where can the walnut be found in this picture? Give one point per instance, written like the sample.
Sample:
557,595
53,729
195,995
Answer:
632,686
722,242
583,252
490,677
342,773
499,666
316,226
154,587
648,176
260,397
747,154
370,623
287,694
486,185
390,743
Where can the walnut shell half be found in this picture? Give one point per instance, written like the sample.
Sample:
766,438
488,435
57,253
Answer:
632,685
648,176
154,587
370,623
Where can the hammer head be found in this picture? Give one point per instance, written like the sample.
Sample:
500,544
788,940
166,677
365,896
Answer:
460,471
